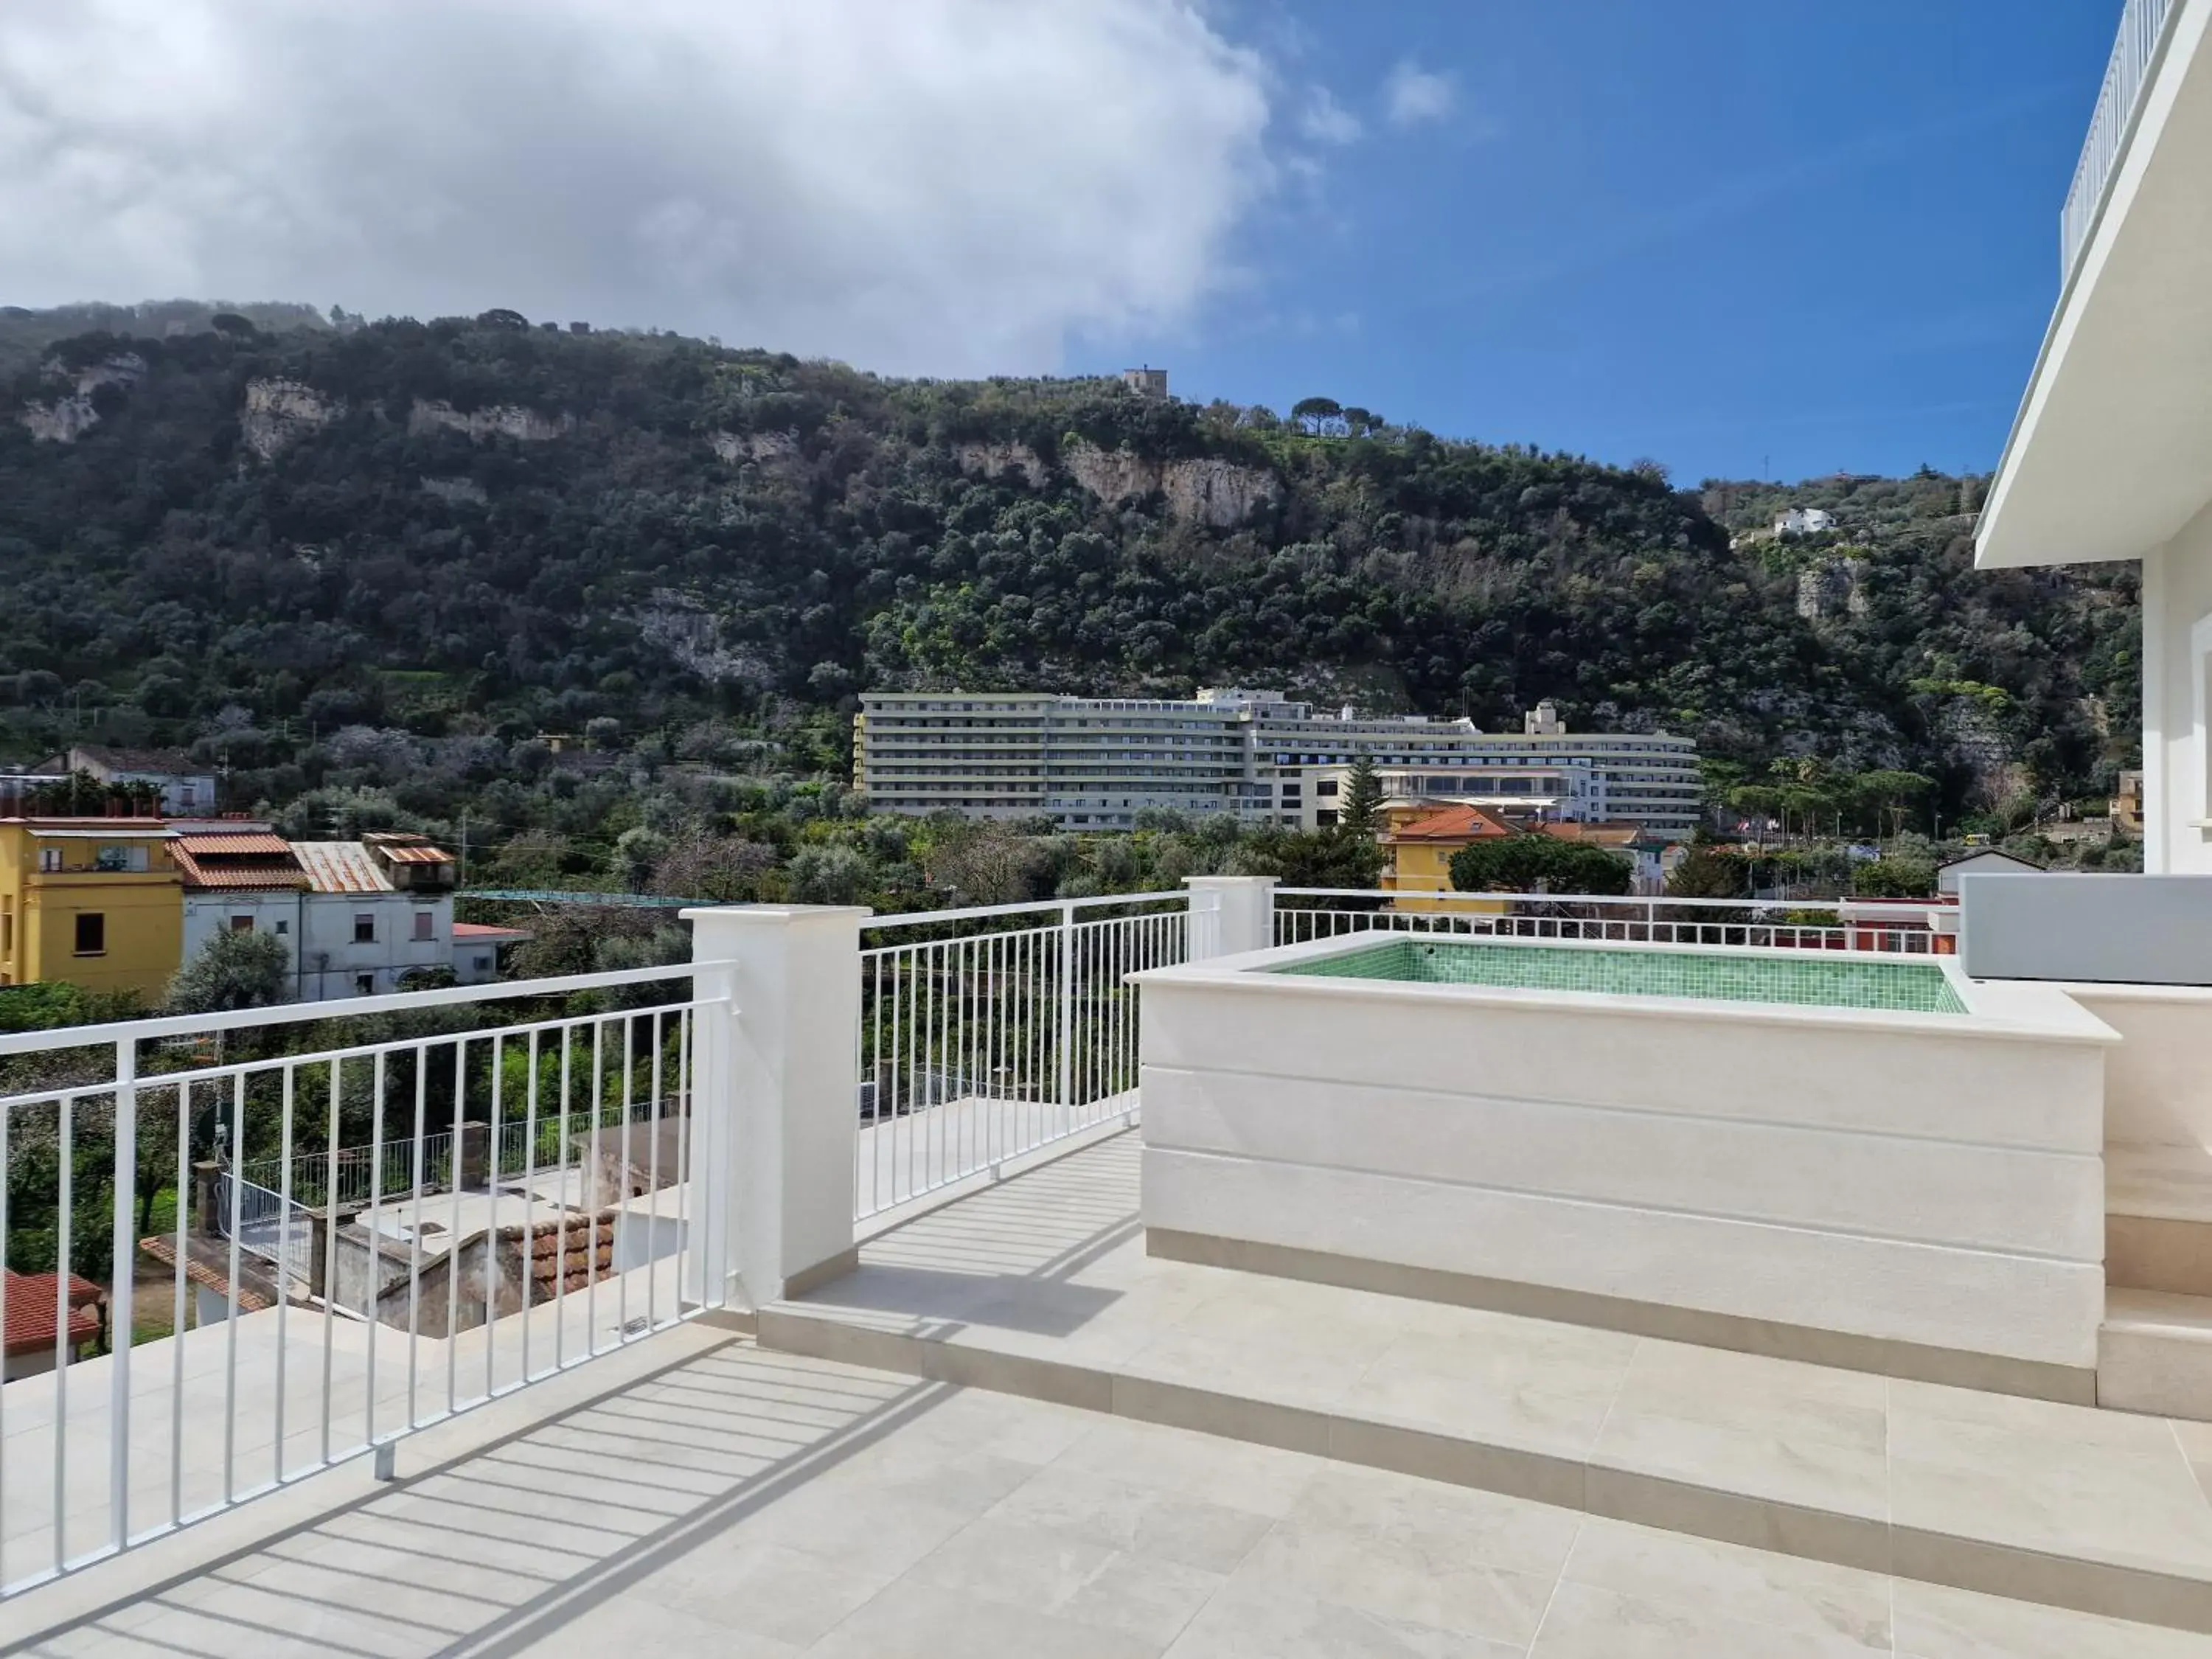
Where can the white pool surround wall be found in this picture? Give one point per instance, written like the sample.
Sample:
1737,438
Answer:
2158,1081
1921,1195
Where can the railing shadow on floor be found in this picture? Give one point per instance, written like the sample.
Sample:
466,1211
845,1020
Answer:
499,1549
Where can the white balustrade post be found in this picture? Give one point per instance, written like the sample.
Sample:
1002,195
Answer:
1242,912
776,1099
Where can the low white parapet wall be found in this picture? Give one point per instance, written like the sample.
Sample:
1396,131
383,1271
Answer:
2158,1081
1916,1193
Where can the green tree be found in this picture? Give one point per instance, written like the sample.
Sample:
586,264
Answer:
1361,813
1890,797
1707,874
1309,858
1538,863
233,970
827,875
1319,418
1894,877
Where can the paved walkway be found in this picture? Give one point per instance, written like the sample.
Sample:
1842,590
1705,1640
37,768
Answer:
746,1505
1041,1287
698,1495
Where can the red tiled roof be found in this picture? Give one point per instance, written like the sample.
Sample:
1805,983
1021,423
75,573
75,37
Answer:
236,843
163,1249
205,860
483,933
1460,823
224,877
1608,832
30,1326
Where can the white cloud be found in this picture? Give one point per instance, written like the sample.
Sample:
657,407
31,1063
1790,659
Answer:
1412,95
1324,121
917,185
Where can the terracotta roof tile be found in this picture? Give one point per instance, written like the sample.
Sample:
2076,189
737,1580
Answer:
1460,823
235,842
30,1324
252,1298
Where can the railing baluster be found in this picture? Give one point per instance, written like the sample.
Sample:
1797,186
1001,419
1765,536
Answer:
329,1286
237,1195
283,1257
63,1215
529,1203
122,1290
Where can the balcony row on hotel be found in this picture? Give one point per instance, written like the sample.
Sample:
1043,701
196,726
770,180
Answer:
1094,763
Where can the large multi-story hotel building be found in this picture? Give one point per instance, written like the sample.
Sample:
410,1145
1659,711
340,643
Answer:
1096,763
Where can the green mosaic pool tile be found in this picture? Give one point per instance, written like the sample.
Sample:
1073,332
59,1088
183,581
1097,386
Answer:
1819,981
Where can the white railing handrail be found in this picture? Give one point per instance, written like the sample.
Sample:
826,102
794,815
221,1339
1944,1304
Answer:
2137,46
919,917
297,1013
1638,901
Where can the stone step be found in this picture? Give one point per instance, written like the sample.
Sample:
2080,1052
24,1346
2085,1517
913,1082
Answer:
2158,1219
2154,1353
1039,1288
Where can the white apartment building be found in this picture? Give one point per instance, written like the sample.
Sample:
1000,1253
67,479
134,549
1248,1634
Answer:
1523,793
374,909
1094,764
238,877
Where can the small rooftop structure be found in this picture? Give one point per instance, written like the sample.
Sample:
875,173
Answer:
384,862
31,1301
1986,861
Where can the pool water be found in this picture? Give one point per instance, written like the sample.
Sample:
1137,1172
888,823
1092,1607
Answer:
1817,982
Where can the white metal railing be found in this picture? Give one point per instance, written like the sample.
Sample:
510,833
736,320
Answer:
995,1041
2136,52
269,1226
419,1307
363,1172
1805,925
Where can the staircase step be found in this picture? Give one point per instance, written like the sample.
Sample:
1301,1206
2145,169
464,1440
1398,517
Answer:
2158,1219
2154,1353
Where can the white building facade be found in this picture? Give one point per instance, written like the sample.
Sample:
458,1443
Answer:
1094,763
1804,521
363,928
2111,454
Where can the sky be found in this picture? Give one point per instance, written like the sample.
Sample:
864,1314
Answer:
1740,238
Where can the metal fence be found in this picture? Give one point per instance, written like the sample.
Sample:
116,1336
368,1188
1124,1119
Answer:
996,1038
424,1306
1810,925
2136,52
364,1172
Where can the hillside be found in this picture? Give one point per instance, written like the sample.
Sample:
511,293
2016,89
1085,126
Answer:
470,532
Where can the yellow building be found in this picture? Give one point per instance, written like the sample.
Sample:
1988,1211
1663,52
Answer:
96,902
1420,839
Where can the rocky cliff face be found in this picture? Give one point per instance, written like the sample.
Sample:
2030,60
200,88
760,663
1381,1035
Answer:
70,415
502,420
1200,491
681,625
279,413
991,460
1832,588
756,446
453,490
